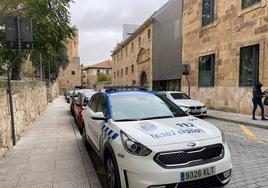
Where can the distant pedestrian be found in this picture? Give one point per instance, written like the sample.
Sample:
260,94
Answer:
257,101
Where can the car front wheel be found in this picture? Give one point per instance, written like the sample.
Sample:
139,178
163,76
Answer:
112,173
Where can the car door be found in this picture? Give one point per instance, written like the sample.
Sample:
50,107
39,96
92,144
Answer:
88,121
99,123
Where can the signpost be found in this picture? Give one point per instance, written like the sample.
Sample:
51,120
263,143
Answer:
186,72
18,36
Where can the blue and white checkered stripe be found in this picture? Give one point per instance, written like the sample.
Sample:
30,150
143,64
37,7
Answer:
109,132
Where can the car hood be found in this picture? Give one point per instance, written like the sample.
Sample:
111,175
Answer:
187,102
169,131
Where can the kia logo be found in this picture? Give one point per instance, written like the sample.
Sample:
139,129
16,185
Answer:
191,144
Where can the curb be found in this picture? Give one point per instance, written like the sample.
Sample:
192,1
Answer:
238,122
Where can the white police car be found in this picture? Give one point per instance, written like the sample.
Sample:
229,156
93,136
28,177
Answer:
146,141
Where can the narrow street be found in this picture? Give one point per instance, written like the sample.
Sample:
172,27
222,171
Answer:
50,154
249,148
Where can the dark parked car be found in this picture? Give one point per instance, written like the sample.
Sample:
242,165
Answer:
79,106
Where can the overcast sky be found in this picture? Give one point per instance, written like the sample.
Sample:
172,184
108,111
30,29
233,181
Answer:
100,24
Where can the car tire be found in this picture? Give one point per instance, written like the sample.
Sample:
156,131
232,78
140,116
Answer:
112,173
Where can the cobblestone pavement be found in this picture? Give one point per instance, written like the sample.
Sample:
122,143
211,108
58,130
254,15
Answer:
249,154
51,154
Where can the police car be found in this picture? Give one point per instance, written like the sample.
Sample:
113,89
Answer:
146,141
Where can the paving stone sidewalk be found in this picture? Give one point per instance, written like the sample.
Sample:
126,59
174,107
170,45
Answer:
238,118
51,154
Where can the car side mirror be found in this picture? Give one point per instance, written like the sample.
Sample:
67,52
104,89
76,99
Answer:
85,103
99,116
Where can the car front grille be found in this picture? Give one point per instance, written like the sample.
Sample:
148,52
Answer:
195,107
191,157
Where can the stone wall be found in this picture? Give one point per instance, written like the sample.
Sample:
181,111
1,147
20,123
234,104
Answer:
30,99
53,90
232,29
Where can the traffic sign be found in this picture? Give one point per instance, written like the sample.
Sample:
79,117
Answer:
19,28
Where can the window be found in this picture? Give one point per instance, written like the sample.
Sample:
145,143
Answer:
73,72
206,70
126,51
207,12
126,70
149,34
248,3
249,65
121,72
94,103
98,72
102,106
132,69
139,41
107,72
132,47
136,107
179,96
114,74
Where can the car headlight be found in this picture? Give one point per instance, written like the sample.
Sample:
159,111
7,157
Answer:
134,147
223,137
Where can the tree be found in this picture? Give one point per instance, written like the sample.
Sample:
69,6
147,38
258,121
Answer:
103,78
51,30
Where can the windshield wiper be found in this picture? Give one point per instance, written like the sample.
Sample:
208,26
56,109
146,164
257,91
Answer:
157,117
118,120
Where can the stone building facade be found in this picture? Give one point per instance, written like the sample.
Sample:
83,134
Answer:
151,55
70,76
225,43
132,59
90,73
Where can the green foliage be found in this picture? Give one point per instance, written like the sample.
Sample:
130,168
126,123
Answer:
103,78
51,29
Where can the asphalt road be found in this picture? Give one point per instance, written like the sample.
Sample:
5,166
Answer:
249,150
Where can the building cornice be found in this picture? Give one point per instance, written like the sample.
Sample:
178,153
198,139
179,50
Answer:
122,44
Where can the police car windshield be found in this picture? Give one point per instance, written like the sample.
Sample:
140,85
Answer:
142,107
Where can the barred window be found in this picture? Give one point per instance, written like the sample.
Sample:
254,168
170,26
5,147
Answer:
249,65
248,3
206,71
207,12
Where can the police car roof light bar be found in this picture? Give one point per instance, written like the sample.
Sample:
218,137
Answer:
116,88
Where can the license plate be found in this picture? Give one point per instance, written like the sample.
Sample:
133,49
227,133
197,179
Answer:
196,111
197,174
